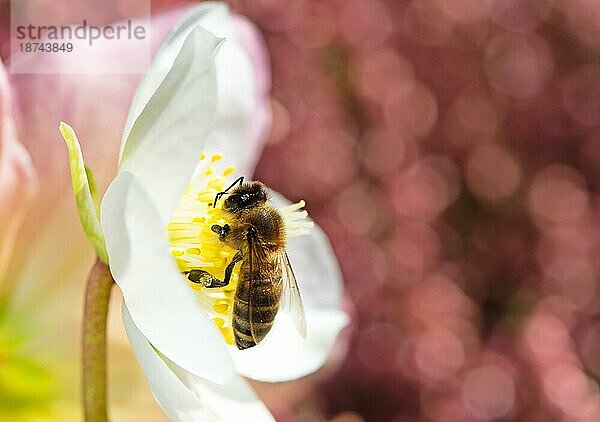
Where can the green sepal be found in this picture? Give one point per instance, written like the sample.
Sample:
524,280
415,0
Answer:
84,188
93,189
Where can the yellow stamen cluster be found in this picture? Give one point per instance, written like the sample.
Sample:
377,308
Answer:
195,246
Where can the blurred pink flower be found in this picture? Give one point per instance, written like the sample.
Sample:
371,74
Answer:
18,181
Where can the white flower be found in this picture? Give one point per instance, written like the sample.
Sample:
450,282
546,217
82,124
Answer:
198,95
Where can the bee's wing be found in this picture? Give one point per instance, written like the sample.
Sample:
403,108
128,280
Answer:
291,302
252,262
256,259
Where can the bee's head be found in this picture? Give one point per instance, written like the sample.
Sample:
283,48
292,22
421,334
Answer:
245,196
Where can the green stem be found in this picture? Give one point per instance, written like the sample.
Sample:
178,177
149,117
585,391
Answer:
97,296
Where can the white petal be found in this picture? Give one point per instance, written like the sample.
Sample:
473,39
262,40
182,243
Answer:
185,397
284,355
178,402
165,141
262,118
165,57
238,102
237,97
315,266
160,302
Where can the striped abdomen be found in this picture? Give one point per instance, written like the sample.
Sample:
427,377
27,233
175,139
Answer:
266,294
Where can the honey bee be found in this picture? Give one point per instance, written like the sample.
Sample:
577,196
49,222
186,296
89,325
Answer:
266,279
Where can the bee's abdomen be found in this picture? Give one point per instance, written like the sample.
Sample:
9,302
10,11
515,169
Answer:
263,304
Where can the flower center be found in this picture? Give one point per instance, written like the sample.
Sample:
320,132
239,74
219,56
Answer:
196,247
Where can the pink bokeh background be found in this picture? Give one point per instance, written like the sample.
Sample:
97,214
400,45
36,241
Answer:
451,151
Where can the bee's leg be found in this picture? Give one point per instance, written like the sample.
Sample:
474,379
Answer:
207,280
222,231
204,278
236,258
239,180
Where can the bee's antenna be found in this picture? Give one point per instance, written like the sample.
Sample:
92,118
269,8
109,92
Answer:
218,196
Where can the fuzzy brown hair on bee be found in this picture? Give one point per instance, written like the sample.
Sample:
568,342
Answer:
257,231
